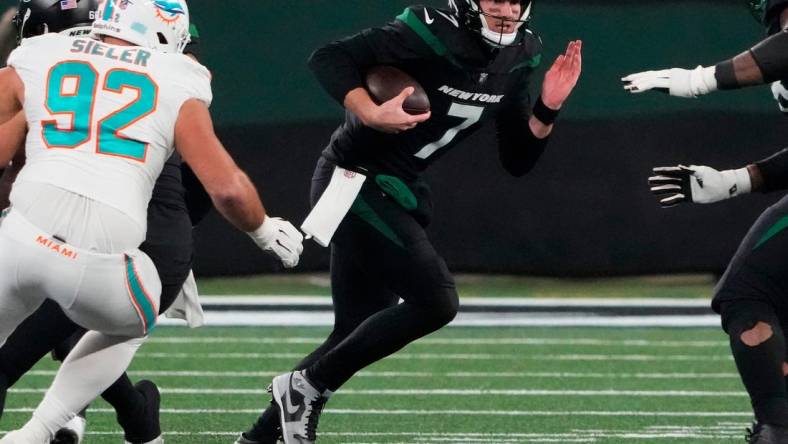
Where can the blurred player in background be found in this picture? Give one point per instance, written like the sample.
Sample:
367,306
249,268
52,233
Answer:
8,40
752,296
476,61
168,243
78,205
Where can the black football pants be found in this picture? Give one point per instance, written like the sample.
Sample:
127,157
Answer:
753,291
379,255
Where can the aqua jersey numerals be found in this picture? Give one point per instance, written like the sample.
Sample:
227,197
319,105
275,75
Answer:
79,103
110,140
71,89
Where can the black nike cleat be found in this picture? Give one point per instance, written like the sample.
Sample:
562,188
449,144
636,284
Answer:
300,405
767,434
145,428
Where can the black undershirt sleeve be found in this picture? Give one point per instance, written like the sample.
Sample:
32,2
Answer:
198,201
774,170
340,65
518,147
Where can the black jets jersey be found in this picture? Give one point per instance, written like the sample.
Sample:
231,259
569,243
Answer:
467,81
169,189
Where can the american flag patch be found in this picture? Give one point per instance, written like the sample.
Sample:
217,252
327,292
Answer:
68,4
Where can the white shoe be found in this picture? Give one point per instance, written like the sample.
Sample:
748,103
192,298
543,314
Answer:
300,405
71,433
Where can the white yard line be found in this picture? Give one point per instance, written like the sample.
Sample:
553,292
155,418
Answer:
449,341
453,392
326,318
579,436
383,412
253,300
455,356
385,375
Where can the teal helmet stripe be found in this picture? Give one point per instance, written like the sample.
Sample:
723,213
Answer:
142,302
108,10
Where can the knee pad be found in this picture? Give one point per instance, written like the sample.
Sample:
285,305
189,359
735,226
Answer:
742,315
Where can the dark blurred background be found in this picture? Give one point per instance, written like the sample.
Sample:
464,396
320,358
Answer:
584,211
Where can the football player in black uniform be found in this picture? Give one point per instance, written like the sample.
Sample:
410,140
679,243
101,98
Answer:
168,242
752,296
475,61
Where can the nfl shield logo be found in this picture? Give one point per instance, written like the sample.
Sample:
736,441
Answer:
68,4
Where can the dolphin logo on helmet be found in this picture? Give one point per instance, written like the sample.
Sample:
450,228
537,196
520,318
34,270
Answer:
169,11
161,25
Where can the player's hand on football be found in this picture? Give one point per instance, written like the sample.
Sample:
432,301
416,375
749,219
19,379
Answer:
281,238
562,77
391,118
677,82
673,185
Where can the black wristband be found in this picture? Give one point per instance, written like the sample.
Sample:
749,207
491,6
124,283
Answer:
543,113
725,75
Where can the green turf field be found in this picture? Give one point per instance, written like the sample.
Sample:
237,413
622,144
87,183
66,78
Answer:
460,385
475,285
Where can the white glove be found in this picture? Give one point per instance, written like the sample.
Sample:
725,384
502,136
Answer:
697,184
281,238
780,94
675,81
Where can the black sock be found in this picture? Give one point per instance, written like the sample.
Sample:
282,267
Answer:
266,429
124,398
761,372
3,390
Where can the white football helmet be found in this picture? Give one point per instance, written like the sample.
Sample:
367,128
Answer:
472,16
162,25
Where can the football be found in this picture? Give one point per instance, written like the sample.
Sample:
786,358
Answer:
386,82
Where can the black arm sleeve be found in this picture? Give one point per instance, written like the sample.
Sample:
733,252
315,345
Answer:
769,55
774,170
518,147
340,65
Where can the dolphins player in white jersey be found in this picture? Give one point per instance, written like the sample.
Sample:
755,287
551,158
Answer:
103,114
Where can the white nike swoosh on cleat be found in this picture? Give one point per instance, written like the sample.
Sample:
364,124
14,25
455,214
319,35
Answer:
291,408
